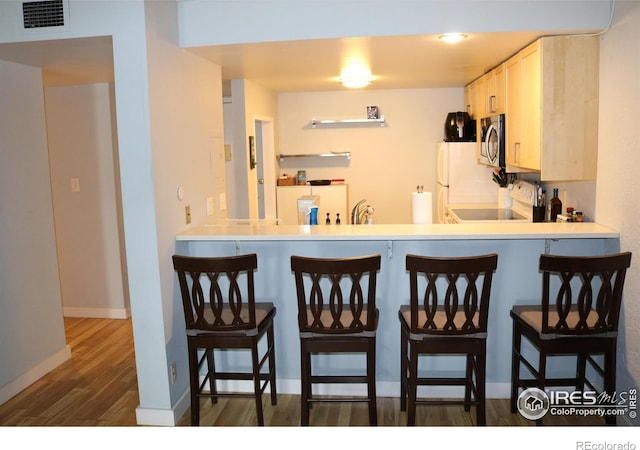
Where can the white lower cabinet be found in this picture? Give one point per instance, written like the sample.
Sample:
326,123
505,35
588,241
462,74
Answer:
334,199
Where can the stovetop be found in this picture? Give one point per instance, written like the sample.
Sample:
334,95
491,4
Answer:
489,214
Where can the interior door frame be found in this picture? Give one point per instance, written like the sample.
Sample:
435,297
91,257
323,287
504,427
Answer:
266,167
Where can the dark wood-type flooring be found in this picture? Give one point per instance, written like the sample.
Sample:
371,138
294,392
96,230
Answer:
98,387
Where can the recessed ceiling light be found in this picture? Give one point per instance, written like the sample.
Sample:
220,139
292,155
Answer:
452,37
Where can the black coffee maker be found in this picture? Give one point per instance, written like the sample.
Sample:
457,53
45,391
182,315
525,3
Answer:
459,127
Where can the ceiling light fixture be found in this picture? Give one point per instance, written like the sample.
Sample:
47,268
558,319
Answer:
356,81
356,75
452,38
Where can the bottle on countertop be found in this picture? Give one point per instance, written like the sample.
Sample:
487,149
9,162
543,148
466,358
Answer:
313,215
337,218
571,214
555,206
328,220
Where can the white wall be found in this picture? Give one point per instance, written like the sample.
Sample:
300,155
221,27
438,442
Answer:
32,339
185,99
618,187
387,163
87,222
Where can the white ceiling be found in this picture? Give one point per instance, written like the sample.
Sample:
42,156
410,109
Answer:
65,61
396,62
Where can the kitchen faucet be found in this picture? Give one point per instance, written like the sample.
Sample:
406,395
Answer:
356,214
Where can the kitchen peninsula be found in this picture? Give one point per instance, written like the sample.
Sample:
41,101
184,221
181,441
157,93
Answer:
516,280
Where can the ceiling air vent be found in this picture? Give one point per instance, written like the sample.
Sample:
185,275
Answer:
43,14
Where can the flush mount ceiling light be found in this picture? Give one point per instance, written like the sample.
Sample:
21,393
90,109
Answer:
356,81
452,37
355,76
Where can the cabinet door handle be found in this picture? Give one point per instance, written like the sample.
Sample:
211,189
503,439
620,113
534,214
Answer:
516,147
492,106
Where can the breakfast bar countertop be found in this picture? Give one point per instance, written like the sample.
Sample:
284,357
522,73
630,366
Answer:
246,230
517,279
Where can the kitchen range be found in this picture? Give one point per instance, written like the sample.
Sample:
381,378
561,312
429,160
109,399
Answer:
522,194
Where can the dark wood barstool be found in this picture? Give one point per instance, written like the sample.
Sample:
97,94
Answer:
218,316
337,314
578,315
452,323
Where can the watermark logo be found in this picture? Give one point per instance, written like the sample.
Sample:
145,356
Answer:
534,403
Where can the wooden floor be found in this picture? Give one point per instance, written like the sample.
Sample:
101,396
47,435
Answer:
98,387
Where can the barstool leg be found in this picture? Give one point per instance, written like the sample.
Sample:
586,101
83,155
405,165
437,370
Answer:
413,385
481,370
404,344
256,382
371,382
194,382
305,379
542,374
515,368
272,364
468,382
211,365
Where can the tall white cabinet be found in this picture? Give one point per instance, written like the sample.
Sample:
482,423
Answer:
334,199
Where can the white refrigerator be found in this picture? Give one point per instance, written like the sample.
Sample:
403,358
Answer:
461,179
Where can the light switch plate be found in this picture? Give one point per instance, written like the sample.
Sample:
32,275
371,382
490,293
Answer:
227,152
75,184
209,206
187,213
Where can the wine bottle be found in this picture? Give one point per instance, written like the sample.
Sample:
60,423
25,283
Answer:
555,206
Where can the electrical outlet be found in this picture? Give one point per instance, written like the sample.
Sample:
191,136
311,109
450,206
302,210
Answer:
174,373
187,213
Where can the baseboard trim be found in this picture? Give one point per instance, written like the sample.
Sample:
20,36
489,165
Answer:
97,313
31,376
383,389
163,417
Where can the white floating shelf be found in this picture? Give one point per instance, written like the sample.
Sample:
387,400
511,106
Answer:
315,122
317,155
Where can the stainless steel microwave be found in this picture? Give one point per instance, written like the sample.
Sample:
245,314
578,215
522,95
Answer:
492,145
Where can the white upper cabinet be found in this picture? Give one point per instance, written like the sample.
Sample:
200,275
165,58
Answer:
495,91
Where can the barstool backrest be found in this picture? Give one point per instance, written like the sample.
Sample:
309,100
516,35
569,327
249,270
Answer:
449,295
212,292
336,295
588,293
